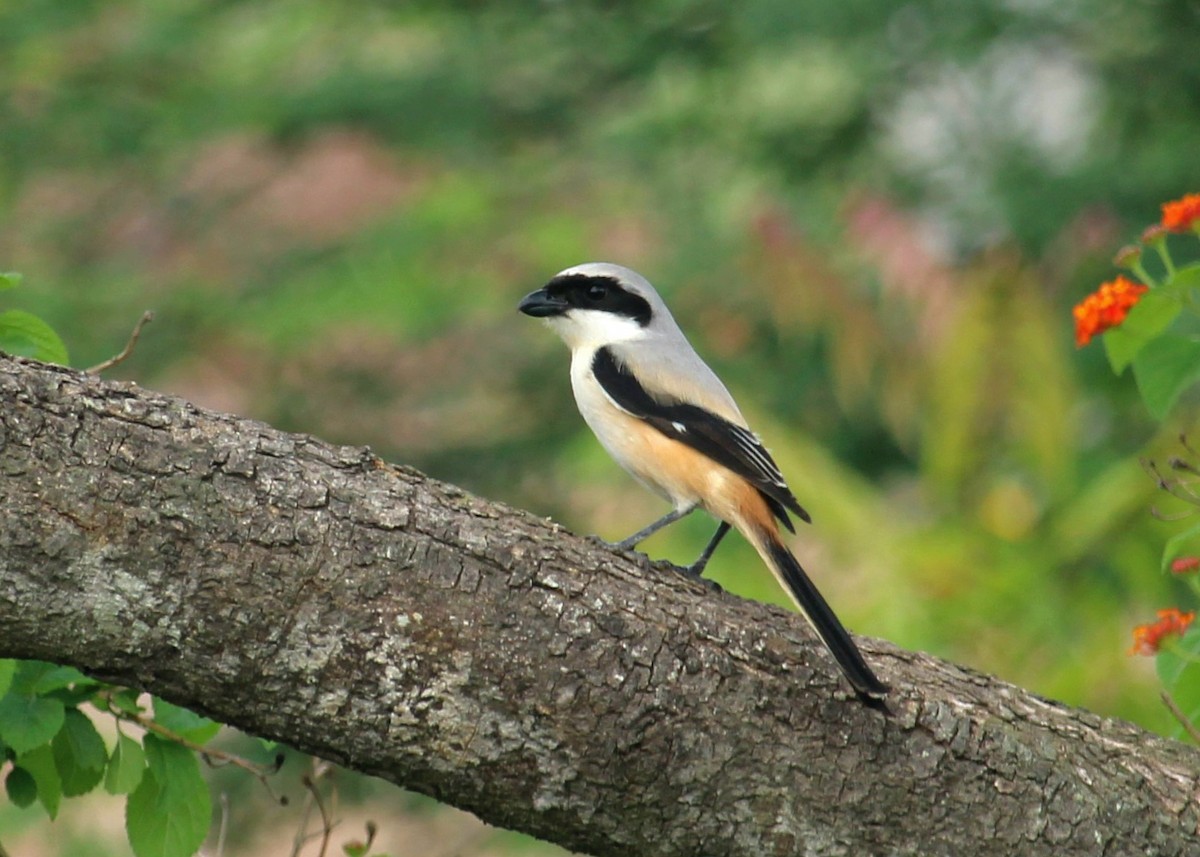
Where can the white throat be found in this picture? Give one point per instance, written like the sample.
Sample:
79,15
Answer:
589,329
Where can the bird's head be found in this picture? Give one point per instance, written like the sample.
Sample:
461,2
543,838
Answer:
597,304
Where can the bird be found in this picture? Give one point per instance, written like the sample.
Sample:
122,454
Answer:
665,417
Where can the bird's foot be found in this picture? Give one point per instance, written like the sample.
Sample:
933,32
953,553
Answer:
696,569
695,572
621,547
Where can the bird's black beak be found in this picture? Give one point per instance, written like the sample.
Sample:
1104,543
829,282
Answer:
542,304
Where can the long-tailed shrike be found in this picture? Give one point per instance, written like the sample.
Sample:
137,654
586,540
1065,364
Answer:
668,420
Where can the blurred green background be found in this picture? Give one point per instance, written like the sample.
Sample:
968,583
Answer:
872,219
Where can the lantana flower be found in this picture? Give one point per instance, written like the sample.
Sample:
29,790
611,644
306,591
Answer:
1148,638
1106,307
1185,564
1182,214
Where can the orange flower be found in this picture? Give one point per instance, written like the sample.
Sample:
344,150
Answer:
1106,307
1181,214
1147,638
1185,564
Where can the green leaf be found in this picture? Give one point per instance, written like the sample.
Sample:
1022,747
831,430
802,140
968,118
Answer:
1150,316
1178,666
21,787
9,280
27,721
1186,277
79,754
168,814
184,723
74,696
174,767
40,677
39,764
1187,541
1164,368
58,677
25,334
28,674
124,699
8,668
157,829
126,766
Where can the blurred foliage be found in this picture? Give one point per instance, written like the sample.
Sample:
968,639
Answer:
871,218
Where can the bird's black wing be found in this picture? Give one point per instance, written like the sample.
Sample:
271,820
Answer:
726,443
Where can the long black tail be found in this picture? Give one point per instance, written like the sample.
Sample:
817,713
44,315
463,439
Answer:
820,615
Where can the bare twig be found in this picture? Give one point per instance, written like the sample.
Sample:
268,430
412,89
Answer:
147,317
1183,441
1184,493
224,801
1170,518
1188,726
302,835
1173,486
1184,465
320,769
360,846
327,821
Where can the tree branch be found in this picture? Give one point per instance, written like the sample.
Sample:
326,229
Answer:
362,612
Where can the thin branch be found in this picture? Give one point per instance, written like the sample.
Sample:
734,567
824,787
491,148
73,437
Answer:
302,835
319,769
1184,465
147,317
213,757
1174,487
1183,440
221,831
361,846
1171,517
327,821
1188,726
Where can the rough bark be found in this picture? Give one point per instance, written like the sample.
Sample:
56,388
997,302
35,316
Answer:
365,613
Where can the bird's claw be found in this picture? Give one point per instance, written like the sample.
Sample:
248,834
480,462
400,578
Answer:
695,570
621,547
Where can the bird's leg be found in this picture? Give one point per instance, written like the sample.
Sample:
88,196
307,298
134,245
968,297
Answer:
697,568
646,532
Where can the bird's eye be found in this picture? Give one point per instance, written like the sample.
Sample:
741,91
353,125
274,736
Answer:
596,292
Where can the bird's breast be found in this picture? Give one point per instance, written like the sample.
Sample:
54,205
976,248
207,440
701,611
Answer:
665,466
620,433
